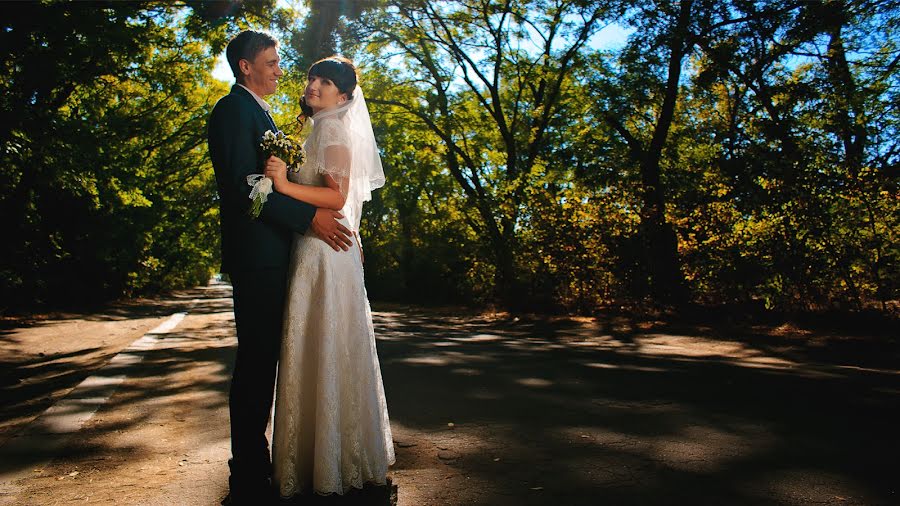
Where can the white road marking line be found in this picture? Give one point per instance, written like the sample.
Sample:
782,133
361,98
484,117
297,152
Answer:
70,413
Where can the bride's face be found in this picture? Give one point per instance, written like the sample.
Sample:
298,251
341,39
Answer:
321,93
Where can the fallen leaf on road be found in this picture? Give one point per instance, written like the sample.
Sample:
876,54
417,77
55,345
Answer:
73,473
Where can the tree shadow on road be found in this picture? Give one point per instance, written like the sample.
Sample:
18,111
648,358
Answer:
605,411
180,383
622,412
30,382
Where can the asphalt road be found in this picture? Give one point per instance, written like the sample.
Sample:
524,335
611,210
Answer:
129,406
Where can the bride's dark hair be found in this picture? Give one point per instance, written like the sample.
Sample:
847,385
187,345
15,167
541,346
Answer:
337,69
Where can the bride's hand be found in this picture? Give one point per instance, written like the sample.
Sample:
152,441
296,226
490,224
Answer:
276,170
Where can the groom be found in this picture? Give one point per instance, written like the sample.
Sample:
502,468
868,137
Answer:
255,254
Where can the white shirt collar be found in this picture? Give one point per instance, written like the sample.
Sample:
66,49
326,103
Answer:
262,103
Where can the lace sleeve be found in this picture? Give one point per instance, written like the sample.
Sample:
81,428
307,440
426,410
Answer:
336,164
334,145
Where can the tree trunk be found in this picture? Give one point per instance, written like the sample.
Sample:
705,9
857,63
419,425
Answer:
659,238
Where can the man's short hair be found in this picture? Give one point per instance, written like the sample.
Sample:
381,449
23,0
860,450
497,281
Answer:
245,46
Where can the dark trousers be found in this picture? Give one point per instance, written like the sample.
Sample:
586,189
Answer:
258,311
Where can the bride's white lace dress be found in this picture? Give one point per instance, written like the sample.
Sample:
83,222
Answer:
331,427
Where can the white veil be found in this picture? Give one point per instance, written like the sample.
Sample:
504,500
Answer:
366,172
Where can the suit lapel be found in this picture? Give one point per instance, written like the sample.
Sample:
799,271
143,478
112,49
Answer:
264,115
271,121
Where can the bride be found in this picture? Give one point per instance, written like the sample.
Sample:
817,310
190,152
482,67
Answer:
331,428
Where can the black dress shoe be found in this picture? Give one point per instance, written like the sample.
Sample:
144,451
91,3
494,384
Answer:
243,499
250,493
249,484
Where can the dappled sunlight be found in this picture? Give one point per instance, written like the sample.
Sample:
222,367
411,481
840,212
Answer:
836,487
120,419
601,365
712,185
467,371
444,344
534,382
480,338
693,346
518,408
429,360
705,449
621,407
484,394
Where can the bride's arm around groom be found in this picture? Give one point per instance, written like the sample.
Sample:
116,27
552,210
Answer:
234,150
235,126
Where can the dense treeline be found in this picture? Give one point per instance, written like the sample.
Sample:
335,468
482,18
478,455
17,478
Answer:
105,184
728,151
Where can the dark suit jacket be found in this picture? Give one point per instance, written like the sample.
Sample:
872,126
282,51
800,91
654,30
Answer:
235,127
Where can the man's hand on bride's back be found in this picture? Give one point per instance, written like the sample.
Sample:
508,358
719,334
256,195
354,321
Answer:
327,228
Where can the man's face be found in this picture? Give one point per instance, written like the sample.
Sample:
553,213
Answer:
261,75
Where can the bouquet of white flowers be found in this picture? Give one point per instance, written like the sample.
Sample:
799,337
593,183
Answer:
282,146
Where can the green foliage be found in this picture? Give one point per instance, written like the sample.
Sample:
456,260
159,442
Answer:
105,183
451,69
747,151
728,152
